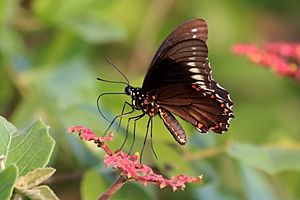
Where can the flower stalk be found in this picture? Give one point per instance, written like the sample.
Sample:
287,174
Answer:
116,186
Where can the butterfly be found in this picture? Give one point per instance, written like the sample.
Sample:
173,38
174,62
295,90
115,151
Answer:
179,82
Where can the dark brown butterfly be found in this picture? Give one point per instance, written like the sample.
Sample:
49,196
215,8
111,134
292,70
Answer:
179,82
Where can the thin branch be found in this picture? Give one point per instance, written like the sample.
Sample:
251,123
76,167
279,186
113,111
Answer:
105,148
116,186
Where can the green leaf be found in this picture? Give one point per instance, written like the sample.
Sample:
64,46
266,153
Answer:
173,161
256,185
7,180
62,85
34,178
92,26
42,192
271,159
67,9
213,191
27,149
96,31
8,37
92,185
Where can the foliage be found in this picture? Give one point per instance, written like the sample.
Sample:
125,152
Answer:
52,51
24,155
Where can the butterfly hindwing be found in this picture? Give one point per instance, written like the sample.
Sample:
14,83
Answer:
203,109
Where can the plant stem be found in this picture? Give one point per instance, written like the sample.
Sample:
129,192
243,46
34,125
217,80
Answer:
106,149
116,186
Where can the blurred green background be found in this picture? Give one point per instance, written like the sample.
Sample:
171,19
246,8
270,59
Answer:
52,51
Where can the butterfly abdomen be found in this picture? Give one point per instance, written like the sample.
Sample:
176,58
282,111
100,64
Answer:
173,126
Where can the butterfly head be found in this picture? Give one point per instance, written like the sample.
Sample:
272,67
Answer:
128,90
136,95
132,92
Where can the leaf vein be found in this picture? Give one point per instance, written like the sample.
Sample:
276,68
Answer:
29,147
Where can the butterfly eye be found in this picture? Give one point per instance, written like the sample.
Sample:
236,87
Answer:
128,90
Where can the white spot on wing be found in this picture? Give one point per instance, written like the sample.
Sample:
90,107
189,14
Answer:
200,83
194,36
192,64
182,140
194,30
198,77
194,70
218,96
229,97
219,86
200,130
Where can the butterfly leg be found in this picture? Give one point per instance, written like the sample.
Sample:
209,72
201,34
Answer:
124,105
127,129
116,117
152,147
145,139
98,102
134,127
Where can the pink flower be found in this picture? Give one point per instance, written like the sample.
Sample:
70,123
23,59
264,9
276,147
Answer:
130,167
282,57
88,135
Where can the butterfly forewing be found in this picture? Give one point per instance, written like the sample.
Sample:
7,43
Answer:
201,108
186,40
183,63
188,30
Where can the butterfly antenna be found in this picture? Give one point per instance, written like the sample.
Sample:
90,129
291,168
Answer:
116,68
109,81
